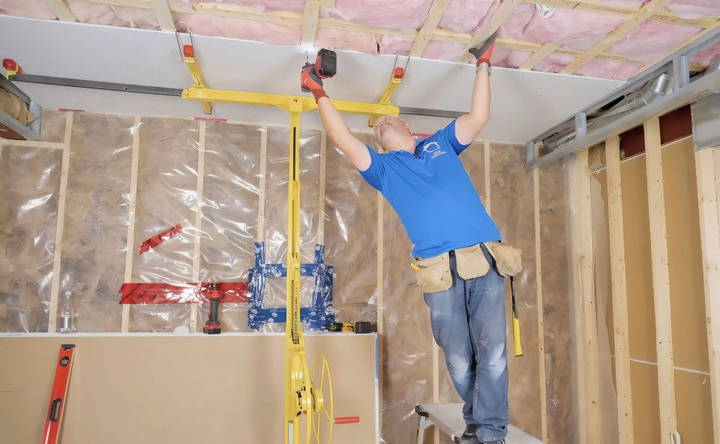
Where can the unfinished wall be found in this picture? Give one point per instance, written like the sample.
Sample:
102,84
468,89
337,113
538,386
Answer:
686,287
207,177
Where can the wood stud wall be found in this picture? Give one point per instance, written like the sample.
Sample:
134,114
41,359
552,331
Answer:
310,21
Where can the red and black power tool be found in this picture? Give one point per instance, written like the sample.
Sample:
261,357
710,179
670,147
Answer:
212,325
325,66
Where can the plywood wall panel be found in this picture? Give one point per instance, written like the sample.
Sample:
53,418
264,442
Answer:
637,258
646,414
694,407
685,259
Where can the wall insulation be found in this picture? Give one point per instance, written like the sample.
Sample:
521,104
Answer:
226,185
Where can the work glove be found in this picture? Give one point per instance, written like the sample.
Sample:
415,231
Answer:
311,82
483,52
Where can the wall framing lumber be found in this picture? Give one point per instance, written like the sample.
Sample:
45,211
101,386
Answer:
61,10
36,144
260,235
583,301
321,193
437,9
130,248
62,195
660,280
194,308
540,307
619,291
707,168
164,16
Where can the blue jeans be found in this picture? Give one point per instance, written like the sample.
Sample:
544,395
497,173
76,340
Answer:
468,323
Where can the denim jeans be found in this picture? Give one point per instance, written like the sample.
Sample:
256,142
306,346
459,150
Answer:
468,323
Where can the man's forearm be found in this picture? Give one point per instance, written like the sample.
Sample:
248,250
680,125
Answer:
480,107
332,121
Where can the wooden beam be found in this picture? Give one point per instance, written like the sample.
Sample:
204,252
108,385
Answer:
132,203
437,10
198,220
311,16
502,13
660,280
35,144
707,169
260,235
62,196
583,301
327,4
61,10
619,291
540,308
618,33
539,56
164,16
321,194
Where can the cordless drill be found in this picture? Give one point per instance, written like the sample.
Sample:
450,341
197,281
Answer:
212,325
311,74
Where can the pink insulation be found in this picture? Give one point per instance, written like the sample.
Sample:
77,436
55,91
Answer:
465,15
705,56
244,29
112,15
27,8
571,28
396,14
652,41
276,5
692,9
355,41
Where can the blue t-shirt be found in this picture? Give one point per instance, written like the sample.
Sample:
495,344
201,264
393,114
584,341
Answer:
433,194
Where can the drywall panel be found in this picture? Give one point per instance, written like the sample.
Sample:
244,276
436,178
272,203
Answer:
142,389
637,260
685,259
531,101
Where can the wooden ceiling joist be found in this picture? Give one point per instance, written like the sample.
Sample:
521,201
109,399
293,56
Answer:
61,10
164,16
617,34
428,29
502,14
310,21
539,56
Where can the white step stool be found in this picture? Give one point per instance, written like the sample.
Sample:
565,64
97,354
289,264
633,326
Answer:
449,419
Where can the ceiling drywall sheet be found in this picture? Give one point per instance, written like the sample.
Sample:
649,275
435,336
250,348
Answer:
524,102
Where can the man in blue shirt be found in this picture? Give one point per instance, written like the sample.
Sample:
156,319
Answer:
427,185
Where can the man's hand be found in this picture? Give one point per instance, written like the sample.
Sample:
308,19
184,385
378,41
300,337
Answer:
310,81
483,52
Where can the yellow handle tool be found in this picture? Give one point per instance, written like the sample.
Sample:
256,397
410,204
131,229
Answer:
517,340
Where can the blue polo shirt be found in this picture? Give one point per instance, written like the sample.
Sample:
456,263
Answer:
432,194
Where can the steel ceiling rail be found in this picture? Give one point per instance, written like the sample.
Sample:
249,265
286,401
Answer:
683,91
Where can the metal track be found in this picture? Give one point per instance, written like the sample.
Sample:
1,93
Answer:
683,90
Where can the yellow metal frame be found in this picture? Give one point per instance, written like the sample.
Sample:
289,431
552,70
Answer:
386,96
302,397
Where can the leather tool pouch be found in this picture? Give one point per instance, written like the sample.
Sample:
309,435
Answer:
471,262
433,273
508,260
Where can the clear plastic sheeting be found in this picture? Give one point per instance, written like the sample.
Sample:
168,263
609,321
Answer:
229,210
29,184
96,219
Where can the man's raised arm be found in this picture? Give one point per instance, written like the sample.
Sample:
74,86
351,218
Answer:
351,146
469,125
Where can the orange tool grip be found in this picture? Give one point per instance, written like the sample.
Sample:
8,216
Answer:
347,420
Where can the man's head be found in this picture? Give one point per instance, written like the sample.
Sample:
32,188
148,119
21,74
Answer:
394,134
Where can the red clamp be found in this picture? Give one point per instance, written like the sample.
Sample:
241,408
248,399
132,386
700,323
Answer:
11,66
398,72
160,238
188,51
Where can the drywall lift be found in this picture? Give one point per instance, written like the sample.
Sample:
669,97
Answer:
668,85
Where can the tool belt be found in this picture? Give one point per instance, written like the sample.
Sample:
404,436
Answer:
433,273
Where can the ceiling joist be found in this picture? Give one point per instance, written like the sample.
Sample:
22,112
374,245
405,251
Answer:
164,16
437,10
310,21
61,10
539,56
502,14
